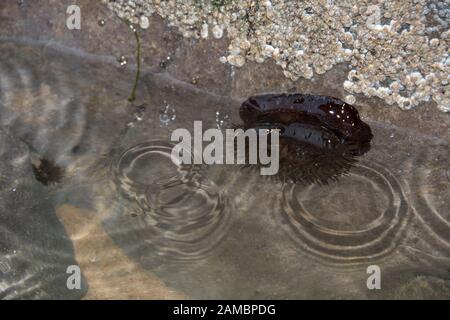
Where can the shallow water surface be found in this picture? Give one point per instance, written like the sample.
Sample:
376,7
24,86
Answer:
139,226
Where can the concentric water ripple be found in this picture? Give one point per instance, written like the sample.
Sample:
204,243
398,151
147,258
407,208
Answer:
431,196
182,215
359,218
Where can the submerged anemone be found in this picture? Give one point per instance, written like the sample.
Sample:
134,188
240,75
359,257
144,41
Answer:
46,171
320,136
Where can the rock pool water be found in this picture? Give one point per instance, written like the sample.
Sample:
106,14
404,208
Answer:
140,227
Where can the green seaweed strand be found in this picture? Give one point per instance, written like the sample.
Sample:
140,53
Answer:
132,96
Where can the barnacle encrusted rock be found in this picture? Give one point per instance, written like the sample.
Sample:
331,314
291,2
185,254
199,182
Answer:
397,50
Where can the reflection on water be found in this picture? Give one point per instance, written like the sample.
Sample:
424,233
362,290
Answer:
34,249
207,232
39,104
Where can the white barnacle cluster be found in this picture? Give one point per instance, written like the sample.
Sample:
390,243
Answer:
397,50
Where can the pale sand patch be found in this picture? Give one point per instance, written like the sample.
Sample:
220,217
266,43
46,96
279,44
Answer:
108,271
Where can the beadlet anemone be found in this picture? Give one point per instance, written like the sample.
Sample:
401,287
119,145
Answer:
320,136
